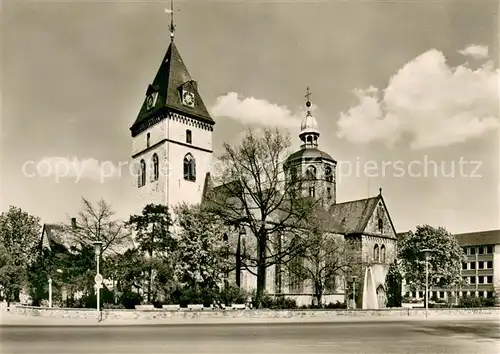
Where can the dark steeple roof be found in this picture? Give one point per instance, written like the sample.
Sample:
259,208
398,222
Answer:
172,77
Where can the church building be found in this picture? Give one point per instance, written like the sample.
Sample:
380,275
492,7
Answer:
172,151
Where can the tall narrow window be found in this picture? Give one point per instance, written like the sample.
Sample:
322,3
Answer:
376,254
156,167
293,174
380,225
382,254
311,173
189,168
328,192
148,140
312,192
142,174
328,174
189,138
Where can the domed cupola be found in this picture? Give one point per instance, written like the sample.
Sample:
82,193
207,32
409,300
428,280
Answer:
309,132
317,167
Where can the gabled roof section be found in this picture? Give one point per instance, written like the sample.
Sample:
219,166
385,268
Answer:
53,238
170,80
479,238
349,217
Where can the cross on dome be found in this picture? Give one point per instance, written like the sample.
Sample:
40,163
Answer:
309,127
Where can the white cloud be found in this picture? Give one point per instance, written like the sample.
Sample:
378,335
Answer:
250,110
475,51
61,168
429,102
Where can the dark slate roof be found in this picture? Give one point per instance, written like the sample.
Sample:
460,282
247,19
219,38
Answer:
343,218
309,154
349,217
171,77
478,238
52,236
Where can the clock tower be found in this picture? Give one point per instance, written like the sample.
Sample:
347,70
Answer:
171,138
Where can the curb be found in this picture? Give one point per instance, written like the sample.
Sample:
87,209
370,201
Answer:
13,320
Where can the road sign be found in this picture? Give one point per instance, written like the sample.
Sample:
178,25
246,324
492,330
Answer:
98,279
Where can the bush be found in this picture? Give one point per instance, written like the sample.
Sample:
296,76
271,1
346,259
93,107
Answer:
129,299
113,306
472,301
337,305
233,295
189,295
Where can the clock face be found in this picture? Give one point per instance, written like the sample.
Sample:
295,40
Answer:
188,98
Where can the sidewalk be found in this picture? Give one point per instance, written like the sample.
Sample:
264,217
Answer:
9,319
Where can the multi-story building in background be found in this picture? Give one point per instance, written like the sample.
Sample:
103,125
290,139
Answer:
481,271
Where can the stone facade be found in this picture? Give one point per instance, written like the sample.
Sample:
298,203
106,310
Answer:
168,140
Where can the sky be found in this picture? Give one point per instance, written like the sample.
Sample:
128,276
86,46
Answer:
405,94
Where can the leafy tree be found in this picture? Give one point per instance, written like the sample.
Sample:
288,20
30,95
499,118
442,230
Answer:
393,284
153,236
11,275
19,238
97,223
323,260
253,191
445,260
200,260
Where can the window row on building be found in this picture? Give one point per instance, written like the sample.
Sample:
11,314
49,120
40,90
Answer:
312,192
479,265
447,294
481,279
472,250
189,169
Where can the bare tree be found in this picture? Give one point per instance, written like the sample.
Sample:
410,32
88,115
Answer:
253,191
97,223
325,260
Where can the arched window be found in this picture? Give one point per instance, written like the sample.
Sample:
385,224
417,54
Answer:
382,254
311,173
148,140
376,254
189,168
156,167
142,174
328,174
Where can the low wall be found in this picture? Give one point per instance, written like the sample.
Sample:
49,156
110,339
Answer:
242,314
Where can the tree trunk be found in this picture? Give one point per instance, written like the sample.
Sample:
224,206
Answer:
318,293
261,272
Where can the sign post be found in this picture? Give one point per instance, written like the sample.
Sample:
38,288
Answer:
98,284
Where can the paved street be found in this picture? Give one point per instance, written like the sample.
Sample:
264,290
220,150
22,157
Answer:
460,336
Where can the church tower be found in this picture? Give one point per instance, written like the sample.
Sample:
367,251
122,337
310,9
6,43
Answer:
318,168
171,137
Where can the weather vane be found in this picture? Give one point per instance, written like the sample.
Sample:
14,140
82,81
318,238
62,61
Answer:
171,12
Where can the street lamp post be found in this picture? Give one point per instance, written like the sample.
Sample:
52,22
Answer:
426,252
98,278
50,292
50,288
354,291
